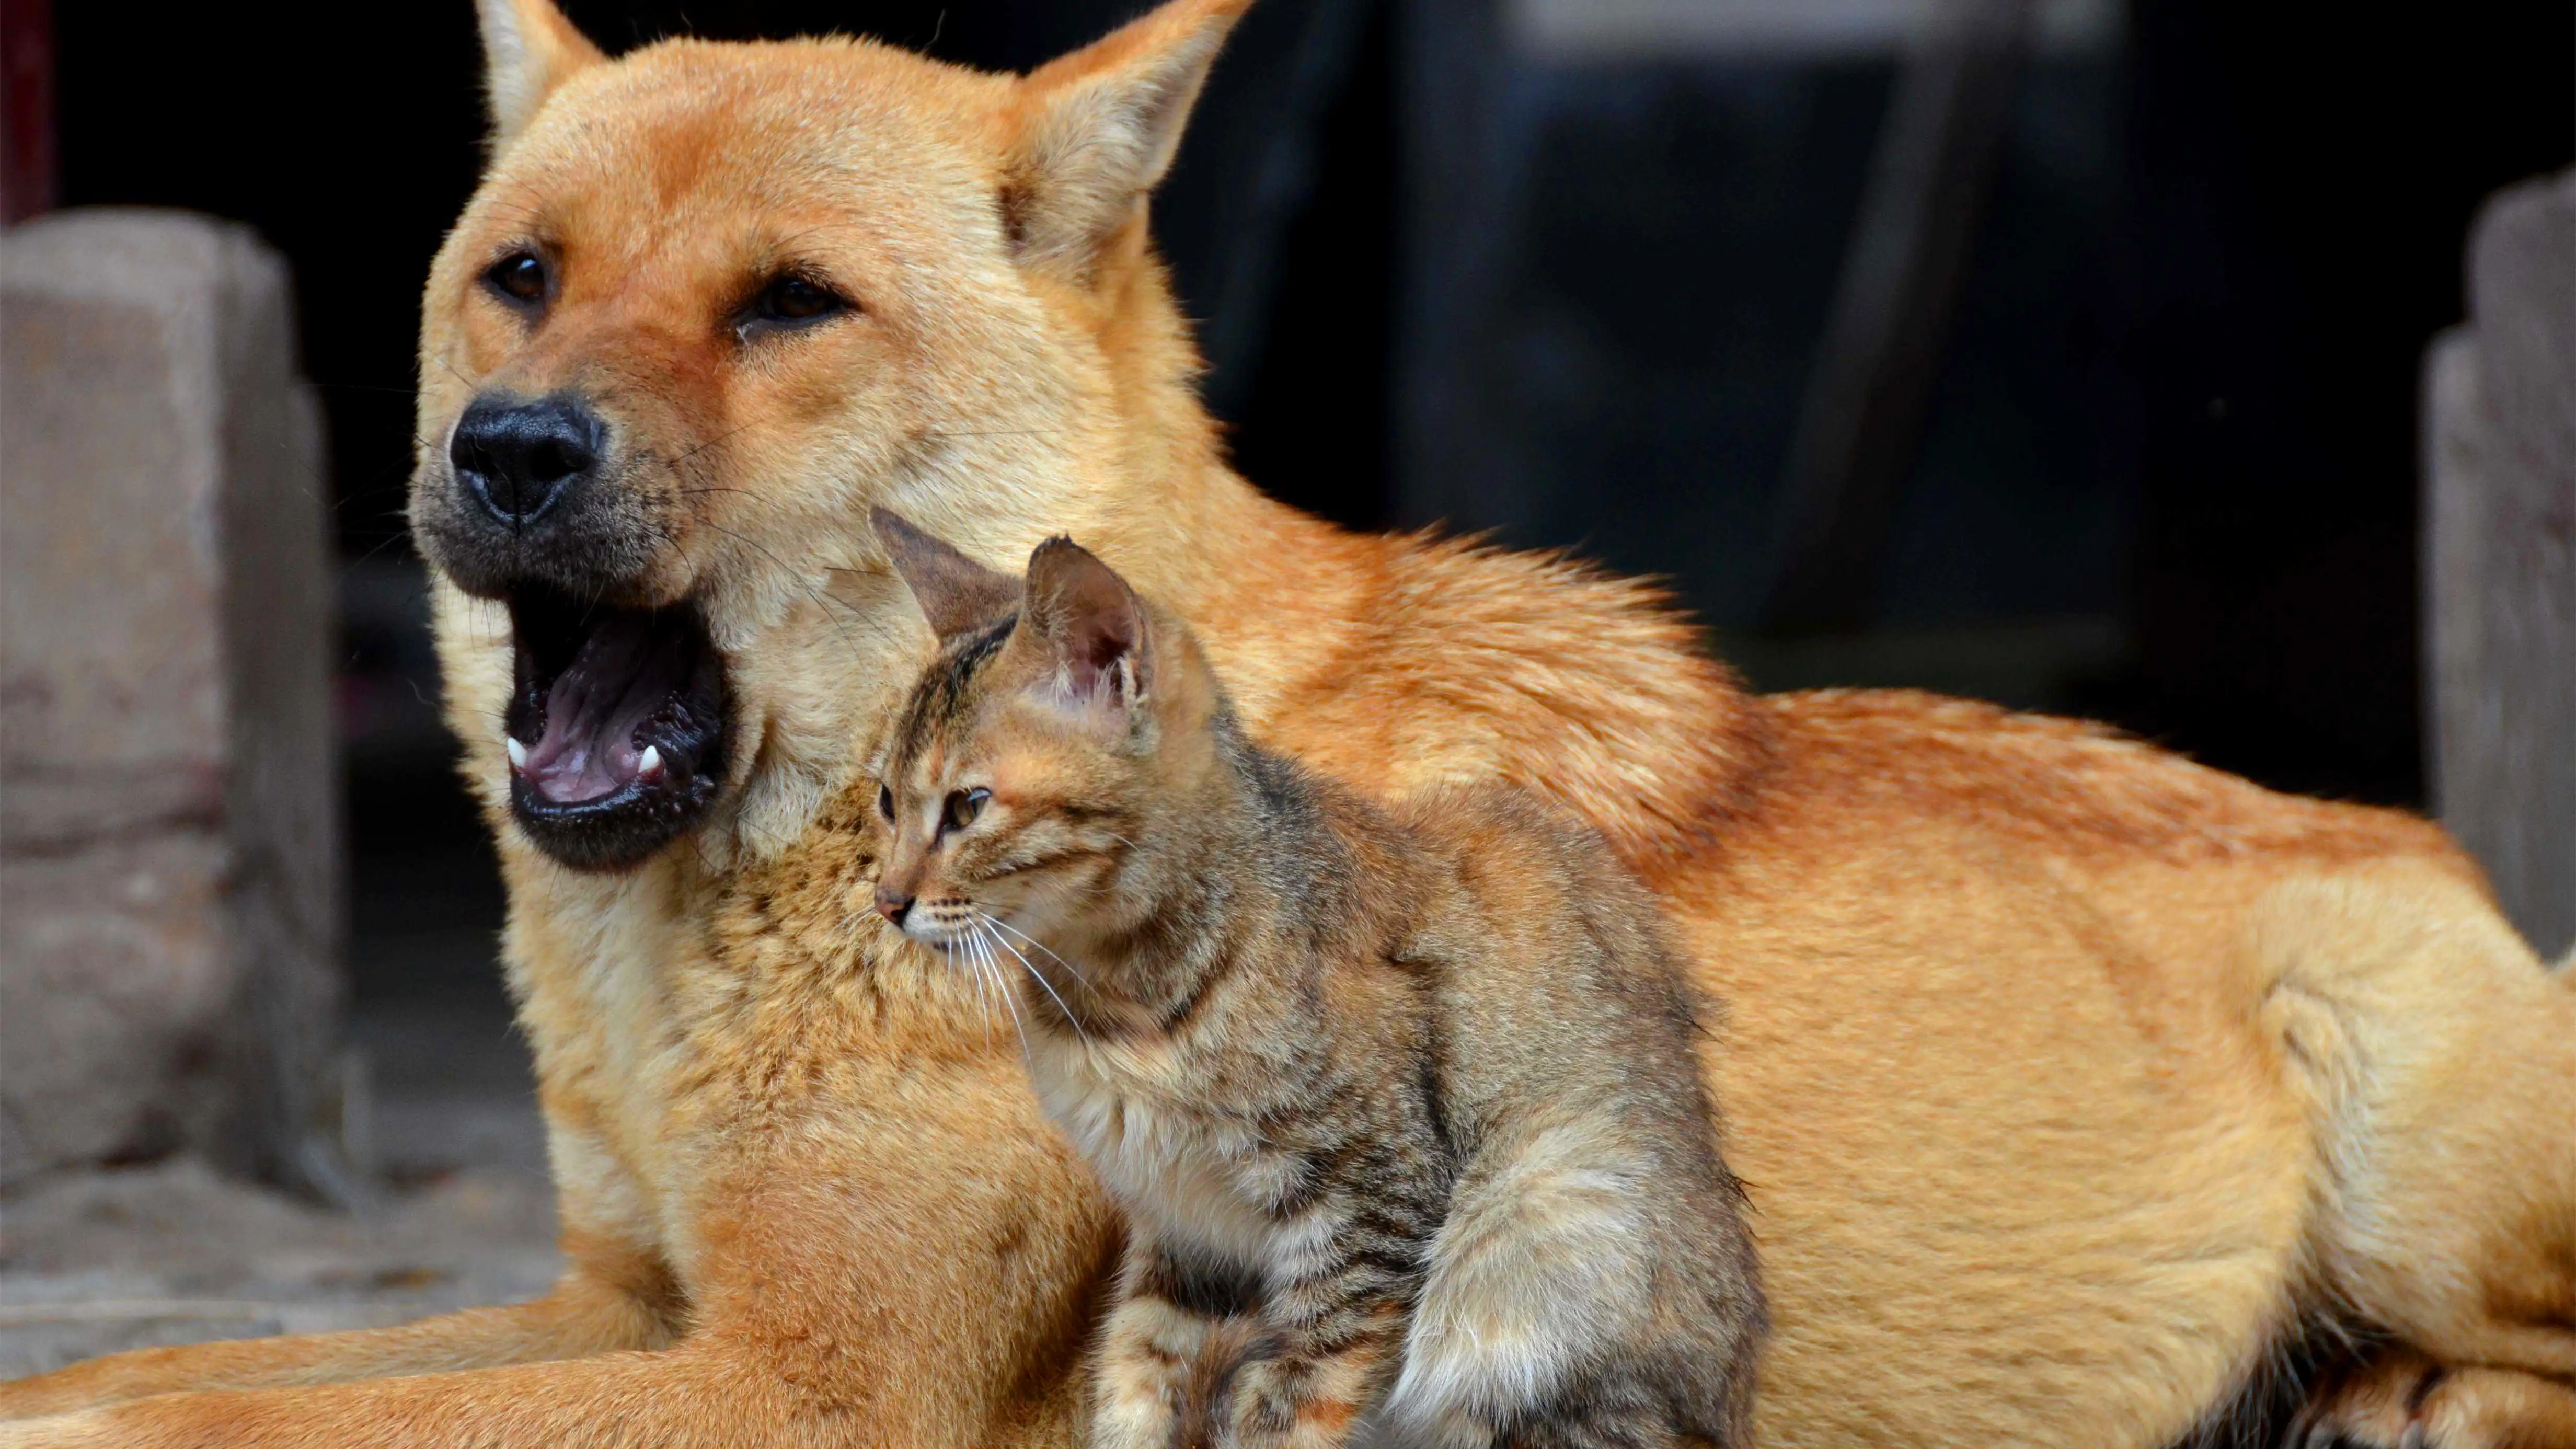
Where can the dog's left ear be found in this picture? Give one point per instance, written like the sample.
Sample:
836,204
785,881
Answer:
1098,128
957,594
529,48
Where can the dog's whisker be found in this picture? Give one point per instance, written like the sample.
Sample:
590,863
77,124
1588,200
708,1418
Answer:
993,433
675,462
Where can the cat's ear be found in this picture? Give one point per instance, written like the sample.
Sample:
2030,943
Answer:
959,595
1090,627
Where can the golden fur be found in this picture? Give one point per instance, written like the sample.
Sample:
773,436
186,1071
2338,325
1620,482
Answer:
2065,1076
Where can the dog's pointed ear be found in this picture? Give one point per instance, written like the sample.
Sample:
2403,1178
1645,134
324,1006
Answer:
529,48
957,594
1098,128
1091,629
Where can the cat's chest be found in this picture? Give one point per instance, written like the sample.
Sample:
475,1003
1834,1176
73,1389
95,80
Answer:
1196,1176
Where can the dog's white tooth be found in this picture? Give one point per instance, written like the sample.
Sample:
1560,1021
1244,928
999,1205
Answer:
518,752
649,763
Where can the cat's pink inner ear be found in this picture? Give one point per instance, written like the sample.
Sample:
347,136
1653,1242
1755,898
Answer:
1092,622
1102,666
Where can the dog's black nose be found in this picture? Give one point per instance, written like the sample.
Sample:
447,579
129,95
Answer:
519,458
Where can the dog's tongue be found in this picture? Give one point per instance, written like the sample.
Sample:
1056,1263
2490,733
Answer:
623,673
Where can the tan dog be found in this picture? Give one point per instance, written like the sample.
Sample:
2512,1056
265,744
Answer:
2072,1083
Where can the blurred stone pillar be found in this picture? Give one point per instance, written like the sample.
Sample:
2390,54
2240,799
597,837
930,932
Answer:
169,833
2500,455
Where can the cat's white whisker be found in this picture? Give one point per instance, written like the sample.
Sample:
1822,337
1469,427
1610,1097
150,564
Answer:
983,1002
1043,946
982,940
966,957
1038,976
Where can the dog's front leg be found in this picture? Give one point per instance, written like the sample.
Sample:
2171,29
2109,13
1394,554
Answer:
610,1298
700,1394
738,1385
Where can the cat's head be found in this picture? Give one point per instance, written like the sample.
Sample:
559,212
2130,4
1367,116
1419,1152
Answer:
1063,722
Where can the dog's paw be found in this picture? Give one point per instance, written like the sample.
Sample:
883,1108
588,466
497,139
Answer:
2403,1400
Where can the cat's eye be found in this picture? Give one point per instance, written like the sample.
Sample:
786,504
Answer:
885,803
963,807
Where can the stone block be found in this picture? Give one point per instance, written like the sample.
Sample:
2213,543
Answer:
169,873
2500,557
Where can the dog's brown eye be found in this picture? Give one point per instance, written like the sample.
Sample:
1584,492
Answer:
797,299
519,277
964,806
885,803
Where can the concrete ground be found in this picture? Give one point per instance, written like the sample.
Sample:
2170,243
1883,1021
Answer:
171,1252
92,1262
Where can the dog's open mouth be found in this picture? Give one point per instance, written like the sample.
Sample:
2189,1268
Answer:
616,726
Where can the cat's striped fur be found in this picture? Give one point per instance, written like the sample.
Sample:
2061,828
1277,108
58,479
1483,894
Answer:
1403,1105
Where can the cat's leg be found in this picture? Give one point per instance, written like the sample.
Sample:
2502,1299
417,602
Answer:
1596,1425
1331,1332
1151,1347
1305,1386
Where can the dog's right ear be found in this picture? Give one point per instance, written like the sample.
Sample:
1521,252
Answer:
958,594
1098,128
529,48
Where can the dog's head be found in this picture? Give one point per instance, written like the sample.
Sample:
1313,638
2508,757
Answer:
710,304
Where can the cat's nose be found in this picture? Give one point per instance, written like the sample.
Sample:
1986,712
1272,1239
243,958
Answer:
891,904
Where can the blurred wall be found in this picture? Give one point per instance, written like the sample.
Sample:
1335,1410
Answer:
1557,268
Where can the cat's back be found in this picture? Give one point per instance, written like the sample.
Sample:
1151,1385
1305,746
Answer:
1521,858
1594,1215
1556,971
1546,965
1532,871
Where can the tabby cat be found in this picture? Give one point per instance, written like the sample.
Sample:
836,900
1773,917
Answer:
1403,1106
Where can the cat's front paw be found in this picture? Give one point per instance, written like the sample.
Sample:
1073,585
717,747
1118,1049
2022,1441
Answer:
1256,1406
1273,1403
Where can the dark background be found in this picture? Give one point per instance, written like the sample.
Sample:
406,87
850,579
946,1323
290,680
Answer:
2168,476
